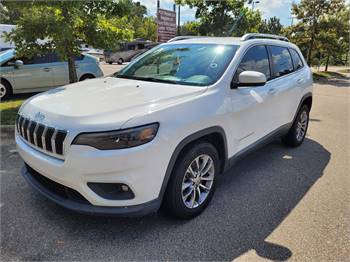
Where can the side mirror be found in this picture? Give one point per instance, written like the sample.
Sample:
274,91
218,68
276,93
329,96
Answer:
251,78
18,63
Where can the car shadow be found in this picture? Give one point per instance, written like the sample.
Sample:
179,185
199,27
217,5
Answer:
252,200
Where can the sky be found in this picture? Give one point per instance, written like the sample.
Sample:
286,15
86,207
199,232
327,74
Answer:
268,8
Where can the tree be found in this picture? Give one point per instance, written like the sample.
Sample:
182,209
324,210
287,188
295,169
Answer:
63,25
190,28
218,18
271,26
310,14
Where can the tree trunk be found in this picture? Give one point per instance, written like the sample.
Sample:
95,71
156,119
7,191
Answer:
327,62
72,70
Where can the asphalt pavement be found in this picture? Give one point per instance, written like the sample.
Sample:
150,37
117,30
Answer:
277,203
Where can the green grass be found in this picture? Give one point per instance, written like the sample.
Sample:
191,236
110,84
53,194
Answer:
8,110
322,75
345,70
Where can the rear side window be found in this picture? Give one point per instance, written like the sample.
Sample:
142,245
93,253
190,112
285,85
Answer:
297,62
256,59
281,60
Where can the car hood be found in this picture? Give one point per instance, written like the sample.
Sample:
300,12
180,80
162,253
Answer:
104,103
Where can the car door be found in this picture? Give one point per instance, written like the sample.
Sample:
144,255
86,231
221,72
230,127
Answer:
251,106
34,75
60,70
283,87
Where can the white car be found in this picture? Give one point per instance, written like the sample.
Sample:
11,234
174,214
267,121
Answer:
166,127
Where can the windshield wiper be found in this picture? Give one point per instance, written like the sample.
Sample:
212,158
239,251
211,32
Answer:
151,79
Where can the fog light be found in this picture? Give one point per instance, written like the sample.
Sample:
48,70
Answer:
112,191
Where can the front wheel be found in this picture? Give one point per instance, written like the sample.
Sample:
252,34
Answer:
297,132
193,181
120,61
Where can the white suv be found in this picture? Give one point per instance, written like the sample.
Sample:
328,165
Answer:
163,129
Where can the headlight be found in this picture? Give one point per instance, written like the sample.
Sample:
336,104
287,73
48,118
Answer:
118,139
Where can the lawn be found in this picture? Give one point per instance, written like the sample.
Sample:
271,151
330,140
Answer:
8,110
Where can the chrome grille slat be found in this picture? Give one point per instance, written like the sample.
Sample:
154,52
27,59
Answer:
27,131
41,136
53,144
34,134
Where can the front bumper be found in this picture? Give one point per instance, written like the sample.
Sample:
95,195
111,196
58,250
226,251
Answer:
71,199
141,168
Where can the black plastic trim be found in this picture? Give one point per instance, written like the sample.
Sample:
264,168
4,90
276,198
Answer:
127,211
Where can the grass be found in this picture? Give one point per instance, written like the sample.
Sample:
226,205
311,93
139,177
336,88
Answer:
322,75
8,110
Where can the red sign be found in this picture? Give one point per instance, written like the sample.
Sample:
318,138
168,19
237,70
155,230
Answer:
166,21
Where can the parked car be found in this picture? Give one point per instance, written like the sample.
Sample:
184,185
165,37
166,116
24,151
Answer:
126,51
166,127
41,72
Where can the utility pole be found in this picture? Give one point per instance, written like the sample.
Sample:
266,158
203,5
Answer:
178,20
253,2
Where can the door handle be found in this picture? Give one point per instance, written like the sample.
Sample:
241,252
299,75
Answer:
272,91
300,80
46,69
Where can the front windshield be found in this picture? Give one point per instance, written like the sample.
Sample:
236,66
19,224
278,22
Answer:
186,64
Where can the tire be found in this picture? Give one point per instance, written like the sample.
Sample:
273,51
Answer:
110,63
86,77
181,197
297,132
120,61
5,90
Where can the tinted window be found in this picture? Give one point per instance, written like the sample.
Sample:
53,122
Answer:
256,59
281,60
298,63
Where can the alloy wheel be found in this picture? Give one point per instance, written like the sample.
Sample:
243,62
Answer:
198,181
302,126
2,91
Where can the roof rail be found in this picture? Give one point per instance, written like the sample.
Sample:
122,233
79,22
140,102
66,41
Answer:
266,36
183,37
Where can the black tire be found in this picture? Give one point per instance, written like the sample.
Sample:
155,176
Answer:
5,90
110,63
173,199
293,137
120,61
85,77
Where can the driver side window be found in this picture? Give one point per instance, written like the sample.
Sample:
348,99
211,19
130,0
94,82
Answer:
256,59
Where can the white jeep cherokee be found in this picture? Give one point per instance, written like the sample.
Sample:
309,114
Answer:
163,129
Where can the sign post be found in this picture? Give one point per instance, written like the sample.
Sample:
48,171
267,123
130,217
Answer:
166,21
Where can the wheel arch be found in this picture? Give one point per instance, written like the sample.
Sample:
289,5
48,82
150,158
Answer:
214,135
305,100
86,74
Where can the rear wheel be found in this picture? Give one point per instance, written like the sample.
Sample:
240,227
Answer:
5,90
193,181
110,63
297,132
120,61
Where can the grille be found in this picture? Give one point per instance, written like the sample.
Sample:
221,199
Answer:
45,137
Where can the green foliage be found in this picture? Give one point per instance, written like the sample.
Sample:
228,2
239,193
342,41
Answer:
271,26
320,26
190,28
223,18
63,25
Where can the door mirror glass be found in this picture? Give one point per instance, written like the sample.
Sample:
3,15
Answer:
251,78
18,63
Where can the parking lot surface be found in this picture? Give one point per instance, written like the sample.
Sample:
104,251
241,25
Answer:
277,203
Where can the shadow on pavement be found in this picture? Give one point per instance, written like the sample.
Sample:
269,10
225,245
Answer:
251,201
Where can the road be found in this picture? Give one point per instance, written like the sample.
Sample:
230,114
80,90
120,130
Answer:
277,203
